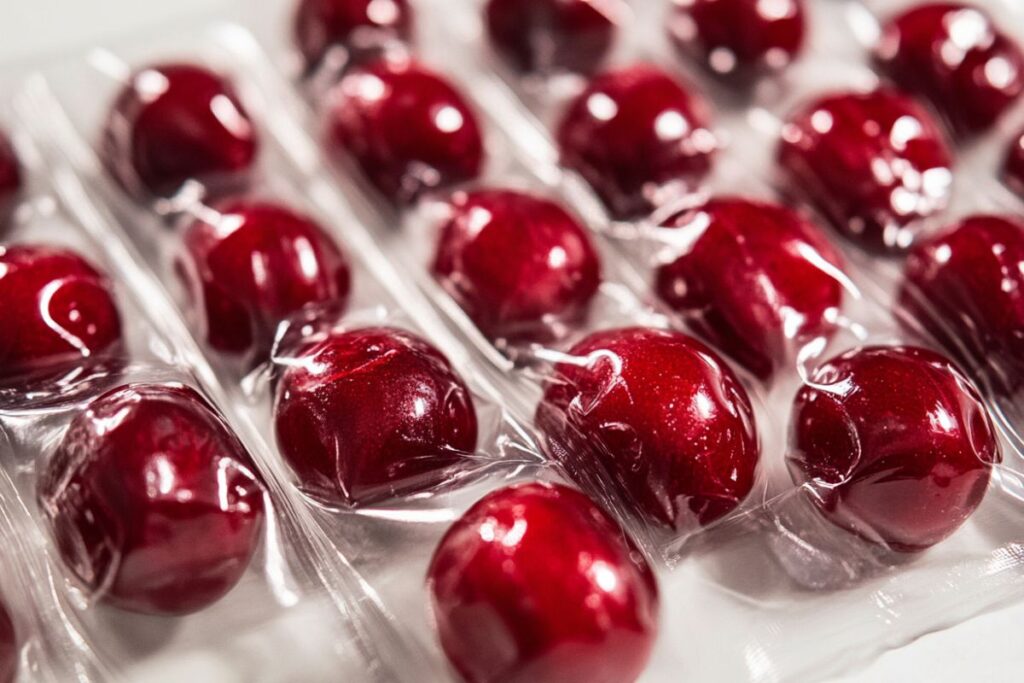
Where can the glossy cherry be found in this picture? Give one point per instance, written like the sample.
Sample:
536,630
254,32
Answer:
59,312
896,444
10,178
520,265
152,501
952,54
638,136
757,280
251,265
874,164
358,26
9,647
536,583
738,39
553,35
405,127
965,287
367,414
1013,165
177,122
662,415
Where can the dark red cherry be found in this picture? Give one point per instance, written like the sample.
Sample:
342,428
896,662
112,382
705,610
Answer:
757,280
552,35
407,129
895,443
953,55
358,26
535,583
372,413
9,647
250,265
59,312
10,178
638,136
966,288
738,39
519,265
152,501
873,164
1013,165
662,414
178,122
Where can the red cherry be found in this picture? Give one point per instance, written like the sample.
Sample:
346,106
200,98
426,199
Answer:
636,134
953,55
60,314
895,442
662,414
536,583
152,500
355,25
9,647
176,122
407,129
372,413
1013,165
548,35
252,265
872,163
517,264
966,287
738,39
757,280
10,178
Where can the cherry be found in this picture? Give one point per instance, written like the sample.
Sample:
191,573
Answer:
60,314
895,443
662,414
965,286
550,35
536,583
372,413
10,178
738,40
637,135
252,265
757,280
152,501
873,164
9,647
953,55
518,264
178,122
407,129
1013,165
355,25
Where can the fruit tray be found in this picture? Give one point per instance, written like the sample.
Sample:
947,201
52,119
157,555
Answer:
494,341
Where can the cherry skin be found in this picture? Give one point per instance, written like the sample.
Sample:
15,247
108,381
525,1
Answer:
551,35
1013,165
662,415
10,178
953,55
757,281
9,647
636,134
178,122
896,443
406,128
519,265
738,40
60,314
251,265
965,287
536,583
371,413
355,25
152,501
874,164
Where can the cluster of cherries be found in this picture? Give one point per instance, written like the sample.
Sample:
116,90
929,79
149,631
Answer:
156,507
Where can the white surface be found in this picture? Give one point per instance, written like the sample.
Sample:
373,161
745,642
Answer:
986,648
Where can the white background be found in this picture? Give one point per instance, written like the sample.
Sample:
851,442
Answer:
988,648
